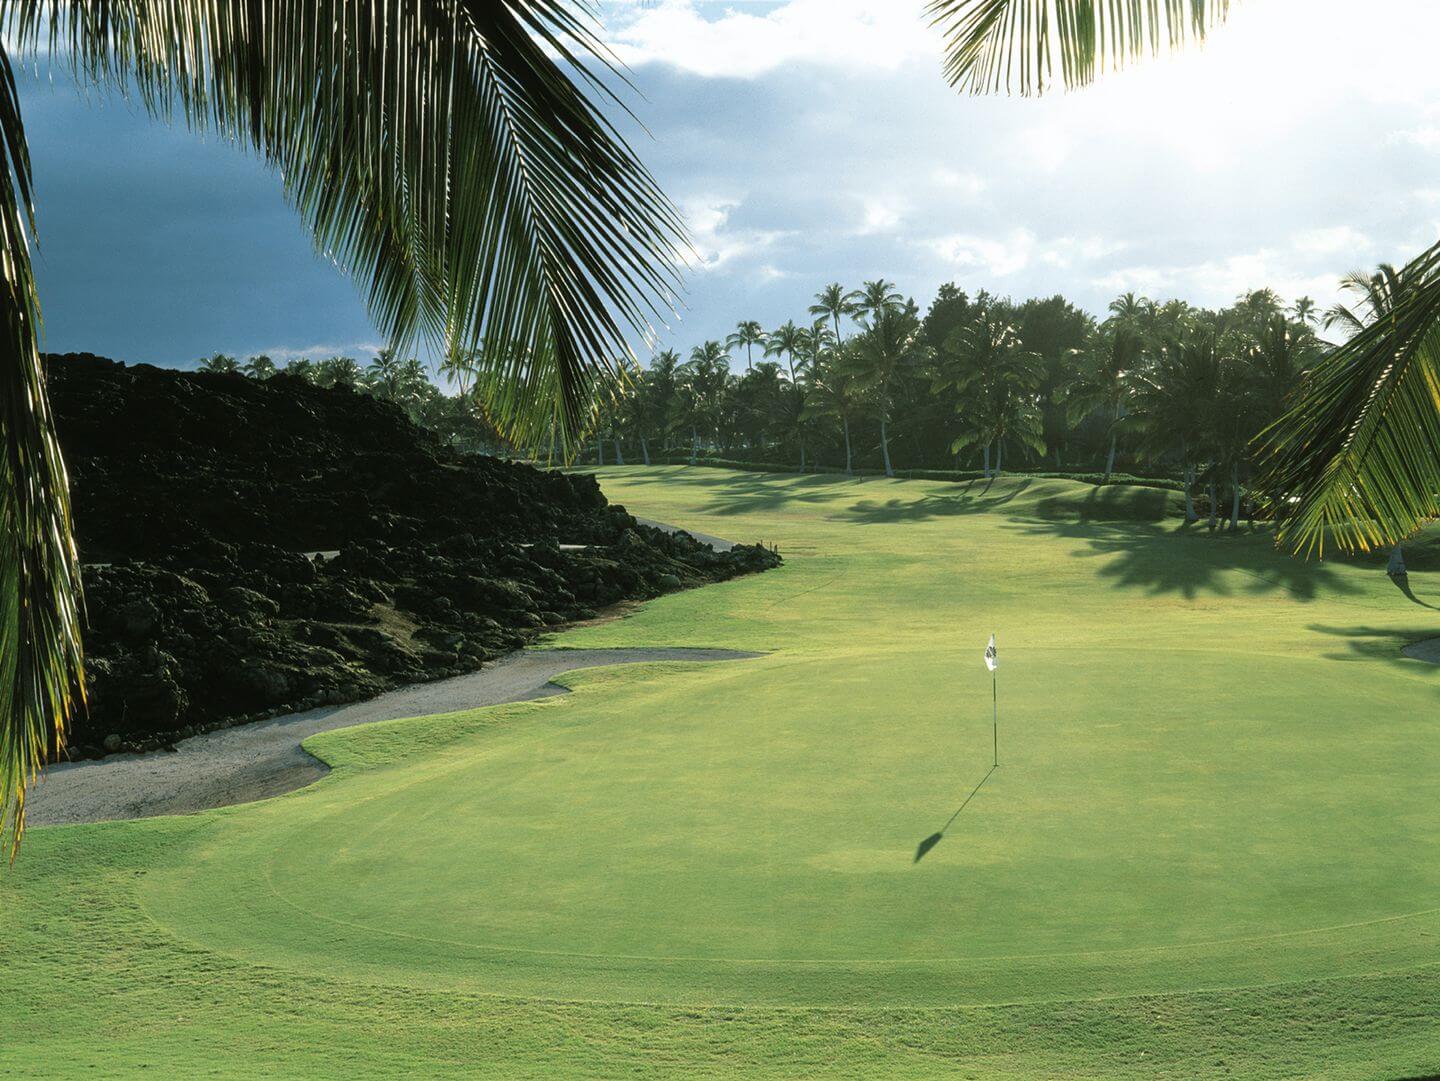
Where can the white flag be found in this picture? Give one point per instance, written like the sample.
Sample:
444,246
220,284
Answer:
992,662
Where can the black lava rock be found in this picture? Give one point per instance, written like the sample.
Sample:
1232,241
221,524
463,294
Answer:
252,546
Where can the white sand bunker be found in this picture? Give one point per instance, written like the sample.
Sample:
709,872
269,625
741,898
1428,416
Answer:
256,761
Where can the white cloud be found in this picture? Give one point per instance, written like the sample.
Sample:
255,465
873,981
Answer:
997,257
965,185
735,43
361,351
1343,240
1216,282
879,214
718,244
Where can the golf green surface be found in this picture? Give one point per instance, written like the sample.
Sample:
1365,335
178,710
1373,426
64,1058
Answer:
1211,846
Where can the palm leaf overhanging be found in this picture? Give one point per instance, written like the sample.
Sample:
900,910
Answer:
451,154
1011,46
1356,460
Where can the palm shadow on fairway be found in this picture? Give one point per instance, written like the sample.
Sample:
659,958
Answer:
1189,560
1381,644
972,497
1109,504
923,848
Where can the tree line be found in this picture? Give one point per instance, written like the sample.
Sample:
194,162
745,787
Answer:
456,419
978,383
986,383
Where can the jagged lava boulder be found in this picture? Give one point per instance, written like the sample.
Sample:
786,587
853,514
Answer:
253,548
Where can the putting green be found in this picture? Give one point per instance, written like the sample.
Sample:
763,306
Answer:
1216,773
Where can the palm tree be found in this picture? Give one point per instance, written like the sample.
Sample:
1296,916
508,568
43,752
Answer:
1378,292
454,157
835,301
635,411
1129,308
338,372
1356,459
219,364
876,357
787,341
1173,396
458,367
835,393
747,335
876,297
662,388
384,374
259,367
998,382
1304,311
1102,384
702,391
301,368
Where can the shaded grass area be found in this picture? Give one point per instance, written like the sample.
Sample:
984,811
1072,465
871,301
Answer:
1209,849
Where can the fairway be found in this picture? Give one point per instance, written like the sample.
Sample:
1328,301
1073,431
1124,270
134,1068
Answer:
1215,800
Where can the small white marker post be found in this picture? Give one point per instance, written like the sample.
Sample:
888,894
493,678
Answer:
992,662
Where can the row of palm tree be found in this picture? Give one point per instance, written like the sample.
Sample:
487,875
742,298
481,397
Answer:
1158,386
457,419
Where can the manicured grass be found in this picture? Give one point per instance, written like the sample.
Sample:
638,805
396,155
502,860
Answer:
1210,847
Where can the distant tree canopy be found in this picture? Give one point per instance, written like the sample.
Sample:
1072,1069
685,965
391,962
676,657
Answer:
985,382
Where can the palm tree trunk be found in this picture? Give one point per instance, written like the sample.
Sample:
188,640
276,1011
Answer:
1235,498
1396,569
987,461
694,444
845,421
644,450
802,455
619,454
1190,515
1214,510
1110,461
999,454
749,357
1058,466
599,450
885,448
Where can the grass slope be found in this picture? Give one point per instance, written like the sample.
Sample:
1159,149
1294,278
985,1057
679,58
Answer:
1210,847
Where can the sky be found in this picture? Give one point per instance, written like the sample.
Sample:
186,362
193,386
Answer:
810,141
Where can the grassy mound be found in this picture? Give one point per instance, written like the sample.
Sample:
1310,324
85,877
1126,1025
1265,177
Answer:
1208,847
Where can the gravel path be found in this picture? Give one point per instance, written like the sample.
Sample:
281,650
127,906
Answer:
255,761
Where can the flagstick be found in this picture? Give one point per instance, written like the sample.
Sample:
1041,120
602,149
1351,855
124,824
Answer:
995,718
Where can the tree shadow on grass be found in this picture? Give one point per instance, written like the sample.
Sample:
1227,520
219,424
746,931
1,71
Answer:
1109,504
1190,561
1381,644
971,497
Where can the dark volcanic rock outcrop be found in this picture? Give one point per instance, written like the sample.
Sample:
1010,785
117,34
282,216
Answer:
199,498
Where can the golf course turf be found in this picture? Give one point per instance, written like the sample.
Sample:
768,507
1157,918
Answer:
1211,847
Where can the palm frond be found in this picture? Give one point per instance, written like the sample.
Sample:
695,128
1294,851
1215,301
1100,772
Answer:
1356,459
452,155
40,666
995,46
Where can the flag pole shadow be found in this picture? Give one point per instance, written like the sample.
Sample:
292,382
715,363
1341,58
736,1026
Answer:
935,838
